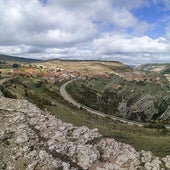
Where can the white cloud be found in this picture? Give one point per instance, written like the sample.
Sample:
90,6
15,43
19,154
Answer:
111,44
81,29
141,49
31,23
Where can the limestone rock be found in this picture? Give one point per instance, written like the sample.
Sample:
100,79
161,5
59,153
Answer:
166,115
143,109
34,139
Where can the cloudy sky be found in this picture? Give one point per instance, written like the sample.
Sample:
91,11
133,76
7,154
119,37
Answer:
130,31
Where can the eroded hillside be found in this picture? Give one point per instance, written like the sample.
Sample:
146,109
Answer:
141,100
157,68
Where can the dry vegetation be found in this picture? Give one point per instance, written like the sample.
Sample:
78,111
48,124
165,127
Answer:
167,76
94,67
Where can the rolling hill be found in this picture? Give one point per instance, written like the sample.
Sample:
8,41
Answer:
88,67
16,59
159,68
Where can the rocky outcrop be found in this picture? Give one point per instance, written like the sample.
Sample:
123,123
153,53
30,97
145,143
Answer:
166,115
34,139
143,109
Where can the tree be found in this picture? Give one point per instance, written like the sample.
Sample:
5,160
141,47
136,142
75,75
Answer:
15,65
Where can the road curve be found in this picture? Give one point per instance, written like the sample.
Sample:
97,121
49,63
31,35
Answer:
67,97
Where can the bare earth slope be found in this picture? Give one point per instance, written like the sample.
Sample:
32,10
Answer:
34,139
88,67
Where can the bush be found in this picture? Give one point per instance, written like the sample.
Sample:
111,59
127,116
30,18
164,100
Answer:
155,125
8,93
15,65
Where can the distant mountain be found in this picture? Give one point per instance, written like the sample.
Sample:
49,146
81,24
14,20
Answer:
132,65
16,59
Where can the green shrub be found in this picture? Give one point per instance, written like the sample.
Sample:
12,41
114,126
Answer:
15,65
155,125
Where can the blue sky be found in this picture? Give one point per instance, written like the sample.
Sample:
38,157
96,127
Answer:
130,31
153,14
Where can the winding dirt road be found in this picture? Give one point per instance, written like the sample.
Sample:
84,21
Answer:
67,97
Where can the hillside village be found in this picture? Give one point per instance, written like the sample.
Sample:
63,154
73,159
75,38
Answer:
58,72
51,74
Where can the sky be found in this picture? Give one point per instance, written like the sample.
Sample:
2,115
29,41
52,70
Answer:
129,31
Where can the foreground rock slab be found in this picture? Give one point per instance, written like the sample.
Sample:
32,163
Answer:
32,139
